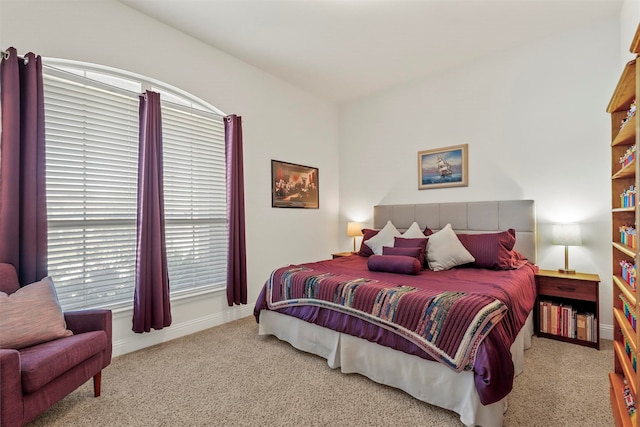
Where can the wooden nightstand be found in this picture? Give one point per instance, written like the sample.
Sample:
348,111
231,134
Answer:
341,254
565,300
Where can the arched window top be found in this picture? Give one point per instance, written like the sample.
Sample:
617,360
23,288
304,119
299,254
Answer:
131,82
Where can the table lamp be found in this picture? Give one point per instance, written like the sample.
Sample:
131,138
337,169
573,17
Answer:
566,235
354,229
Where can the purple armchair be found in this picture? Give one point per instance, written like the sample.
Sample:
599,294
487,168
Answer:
34,378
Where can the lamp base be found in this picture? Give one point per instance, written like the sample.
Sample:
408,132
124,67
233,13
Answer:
566,269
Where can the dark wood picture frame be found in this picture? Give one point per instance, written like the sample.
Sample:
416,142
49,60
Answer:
294,186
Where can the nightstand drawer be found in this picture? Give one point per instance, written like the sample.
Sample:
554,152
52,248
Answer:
567,288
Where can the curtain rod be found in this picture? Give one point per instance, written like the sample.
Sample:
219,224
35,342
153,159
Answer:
6,54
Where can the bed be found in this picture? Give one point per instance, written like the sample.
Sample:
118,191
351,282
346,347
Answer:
453,338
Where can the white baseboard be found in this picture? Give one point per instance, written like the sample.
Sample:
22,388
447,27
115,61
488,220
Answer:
133,342
606,332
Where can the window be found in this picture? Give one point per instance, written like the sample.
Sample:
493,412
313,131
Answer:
195,199
91,124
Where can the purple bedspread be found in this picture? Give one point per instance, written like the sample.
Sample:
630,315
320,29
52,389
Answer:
493,367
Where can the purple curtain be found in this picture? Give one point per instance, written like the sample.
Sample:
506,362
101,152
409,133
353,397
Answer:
236,259
151,305
23,210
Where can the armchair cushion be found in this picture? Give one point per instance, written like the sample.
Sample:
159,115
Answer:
42,363
31,315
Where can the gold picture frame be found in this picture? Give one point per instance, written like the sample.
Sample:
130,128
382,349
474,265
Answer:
443,167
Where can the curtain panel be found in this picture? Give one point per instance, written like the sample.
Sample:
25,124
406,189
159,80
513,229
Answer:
151,305
23,210
236,259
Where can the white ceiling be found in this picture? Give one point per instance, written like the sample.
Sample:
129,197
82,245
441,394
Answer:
345,49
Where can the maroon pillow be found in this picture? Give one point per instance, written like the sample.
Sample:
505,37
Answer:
427,231
518,260
491,250
401,242
367,233
394,264
412,252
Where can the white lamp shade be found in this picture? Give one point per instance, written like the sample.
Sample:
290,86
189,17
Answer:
567,234
354,229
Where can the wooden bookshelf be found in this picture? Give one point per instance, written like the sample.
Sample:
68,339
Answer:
626,308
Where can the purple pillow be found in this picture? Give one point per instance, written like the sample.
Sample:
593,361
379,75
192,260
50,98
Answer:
412,252
394,264
365,250
491,250
401,242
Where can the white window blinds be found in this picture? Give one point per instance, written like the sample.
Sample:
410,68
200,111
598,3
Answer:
194,198
92,158
91,155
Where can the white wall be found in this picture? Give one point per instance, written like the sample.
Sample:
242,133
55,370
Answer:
629,18
534,118
279,122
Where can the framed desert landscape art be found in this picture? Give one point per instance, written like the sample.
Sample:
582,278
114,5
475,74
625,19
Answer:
443,167
294,186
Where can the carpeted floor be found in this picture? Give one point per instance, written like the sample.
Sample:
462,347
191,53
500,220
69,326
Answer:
230,376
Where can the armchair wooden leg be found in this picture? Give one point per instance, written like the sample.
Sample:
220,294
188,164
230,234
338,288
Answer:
96,384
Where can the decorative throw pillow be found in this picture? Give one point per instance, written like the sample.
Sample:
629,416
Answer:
383,238
365,250
408,251
421,243
444,250
491,250
394,264
413,232
31,315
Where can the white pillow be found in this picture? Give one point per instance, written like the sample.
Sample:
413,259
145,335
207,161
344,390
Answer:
414,232
444,250
385,237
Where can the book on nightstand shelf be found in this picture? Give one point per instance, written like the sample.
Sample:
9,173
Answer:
581,327
563,320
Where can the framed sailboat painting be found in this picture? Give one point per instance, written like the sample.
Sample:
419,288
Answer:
443,167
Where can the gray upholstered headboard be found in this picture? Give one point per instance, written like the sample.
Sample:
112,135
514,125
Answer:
468,217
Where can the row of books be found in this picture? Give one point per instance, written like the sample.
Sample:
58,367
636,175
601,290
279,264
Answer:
628,197
563,320
628,236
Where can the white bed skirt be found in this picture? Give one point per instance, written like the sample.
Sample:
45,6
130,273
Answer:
425,380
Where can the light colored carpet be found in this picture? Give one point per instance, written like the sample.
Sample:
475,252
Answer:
230,376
